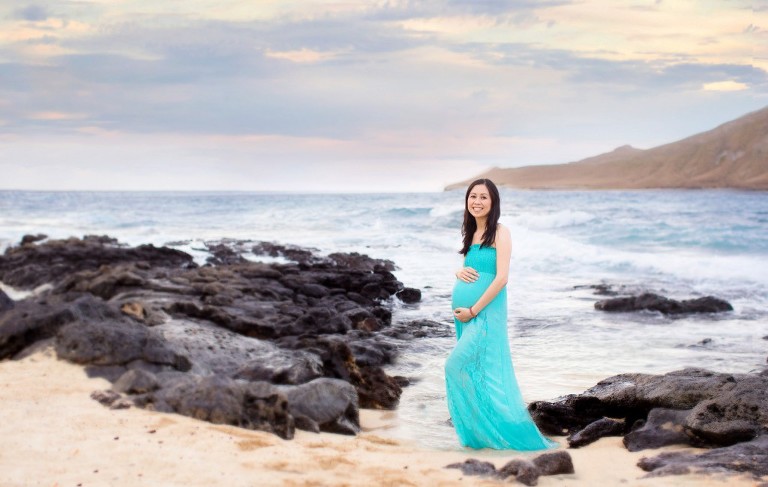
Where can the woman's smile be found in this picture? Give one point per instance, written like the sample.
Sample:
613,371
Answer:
479,201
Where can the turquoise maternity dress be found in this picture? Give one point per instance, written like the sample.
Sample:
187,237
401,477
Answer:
484,399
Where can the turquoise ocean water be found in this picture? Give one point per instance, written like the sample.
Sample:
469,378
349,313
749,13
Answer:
682,244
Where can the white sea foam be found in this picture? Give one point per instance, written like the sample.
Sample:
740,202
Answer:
444,210
19,294
557,219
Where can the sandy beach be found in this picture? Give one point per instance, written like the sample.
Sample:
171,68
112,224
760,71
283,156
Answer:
54,434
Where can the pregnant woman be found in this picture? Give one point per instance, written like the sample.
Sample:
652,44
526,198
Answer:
484,399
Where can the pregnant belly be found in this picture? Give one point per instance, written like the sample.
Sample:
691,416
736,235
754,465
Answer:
465,294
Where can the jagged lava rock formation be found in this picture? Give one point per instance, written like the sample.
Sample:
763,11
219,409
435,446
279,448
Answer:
263,346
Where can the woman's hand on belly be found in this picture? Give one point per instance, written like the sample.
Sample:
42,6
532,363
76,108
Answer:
463,314
467,274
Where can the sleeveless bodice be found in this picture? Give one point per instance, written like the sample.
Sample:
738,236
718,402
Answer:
482,259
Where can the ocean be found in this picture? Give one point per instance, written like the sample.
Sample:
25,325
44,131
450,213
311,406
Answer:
681,244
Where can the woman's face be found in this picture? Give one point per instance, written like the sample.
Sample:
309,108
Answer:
479,201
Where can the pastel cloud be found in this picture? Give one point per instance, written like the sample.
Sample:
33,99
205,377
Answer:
53,116
33,13
357,85
729,85
301,55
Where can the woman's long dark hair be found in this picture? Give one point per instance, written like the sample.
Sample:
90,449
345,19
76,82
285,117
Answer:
469,227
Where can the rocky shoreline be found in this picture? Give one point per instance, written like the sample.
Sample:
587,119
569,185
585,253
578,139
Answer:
300,344
726,413
269,347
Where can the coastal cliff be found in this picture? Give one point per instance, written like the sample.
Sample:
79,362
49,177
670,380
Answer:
732,155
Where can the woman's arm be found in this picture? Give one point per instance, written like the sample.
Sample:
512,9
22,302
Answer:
503,255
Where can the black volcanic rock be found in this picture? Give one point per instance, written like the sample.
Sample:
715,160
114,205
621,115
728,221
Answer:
594,431
111,399
115,341
221,400
472,466
29,266
290,252
663,427
223,254
602,289
373,349
136,381
568,416
750,457
410,330
737,415
36,319
235,341
354,260
725,408
331,404
377,390
690,406
654,302
554,463
524,471
6,302
105,282
409,295
30,239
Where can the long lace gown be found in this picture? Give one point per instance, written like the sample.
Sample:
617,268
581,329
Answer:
484,399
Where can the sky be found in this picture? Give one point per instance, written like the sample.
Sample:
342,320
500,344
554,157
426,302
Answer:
357,96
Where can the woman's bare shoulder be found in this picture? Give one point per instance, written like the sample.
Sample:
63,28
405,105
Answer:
503,232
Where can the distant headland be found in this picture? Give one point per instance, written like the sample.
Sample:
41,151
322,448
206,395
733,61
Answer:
732,155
